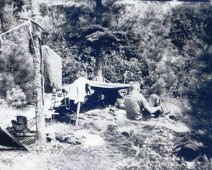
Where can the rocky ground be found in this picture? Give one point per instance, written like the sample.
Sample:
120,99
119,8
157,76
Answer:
104,139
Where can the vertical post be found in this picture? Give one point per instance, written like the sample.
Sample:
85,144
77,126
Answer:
98,13
78,111
98,71
125,76
38,64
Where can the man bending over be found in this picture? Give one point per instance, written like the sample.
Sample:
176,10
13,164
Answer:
136,104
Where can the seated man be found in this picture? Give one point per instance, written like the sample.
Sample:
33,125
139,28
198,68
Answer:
136,104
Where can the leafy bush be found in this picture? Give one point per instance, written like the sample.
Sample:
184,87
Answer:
16,97
6,83
17,64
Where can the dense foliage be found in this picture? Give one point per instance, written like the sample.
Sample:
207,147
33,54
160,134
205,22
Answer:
147,41
16,68
167,47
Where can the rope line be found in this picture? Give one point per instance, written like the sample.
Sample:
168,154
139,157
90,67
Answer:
15,28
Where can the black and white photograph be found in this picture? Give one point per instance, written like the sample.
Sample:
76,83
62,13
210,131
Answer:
105,85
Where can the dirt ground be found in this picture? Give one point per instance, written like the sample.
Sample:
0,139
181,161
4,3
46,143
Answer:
104,139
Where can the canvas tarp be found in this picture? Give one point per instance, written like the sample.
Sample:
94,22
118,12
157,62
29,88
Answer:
6,139
107,85
52,67
109,91
77,90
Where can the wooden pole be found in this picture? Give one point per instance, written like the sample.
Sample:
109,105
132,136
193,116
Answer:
78,111
98,13
38,65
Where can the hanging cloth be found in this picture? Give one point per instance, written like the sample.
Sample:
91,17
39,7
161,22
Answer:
77,91
52,67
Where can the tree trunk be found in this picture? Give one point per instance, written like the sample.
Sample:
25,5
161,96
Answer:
99,7
38,64
98,71
99,12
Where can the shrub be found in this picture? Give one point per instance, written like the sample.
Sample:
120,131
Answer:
16,97
6,83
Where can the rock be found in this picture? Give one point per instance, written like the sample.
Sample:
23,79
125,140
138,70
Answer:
72,140
87,139
111,128
173,111
126,134
50,137
173,117
60,137
139,140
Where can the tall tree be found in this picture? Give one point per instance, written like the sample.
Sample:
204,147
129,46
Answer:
40,119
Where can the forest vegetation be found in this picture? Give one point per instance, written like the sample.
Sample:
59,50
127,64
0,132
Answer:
166,45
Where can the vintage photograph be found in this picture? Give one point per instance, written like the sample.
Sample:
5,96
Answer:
105,85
